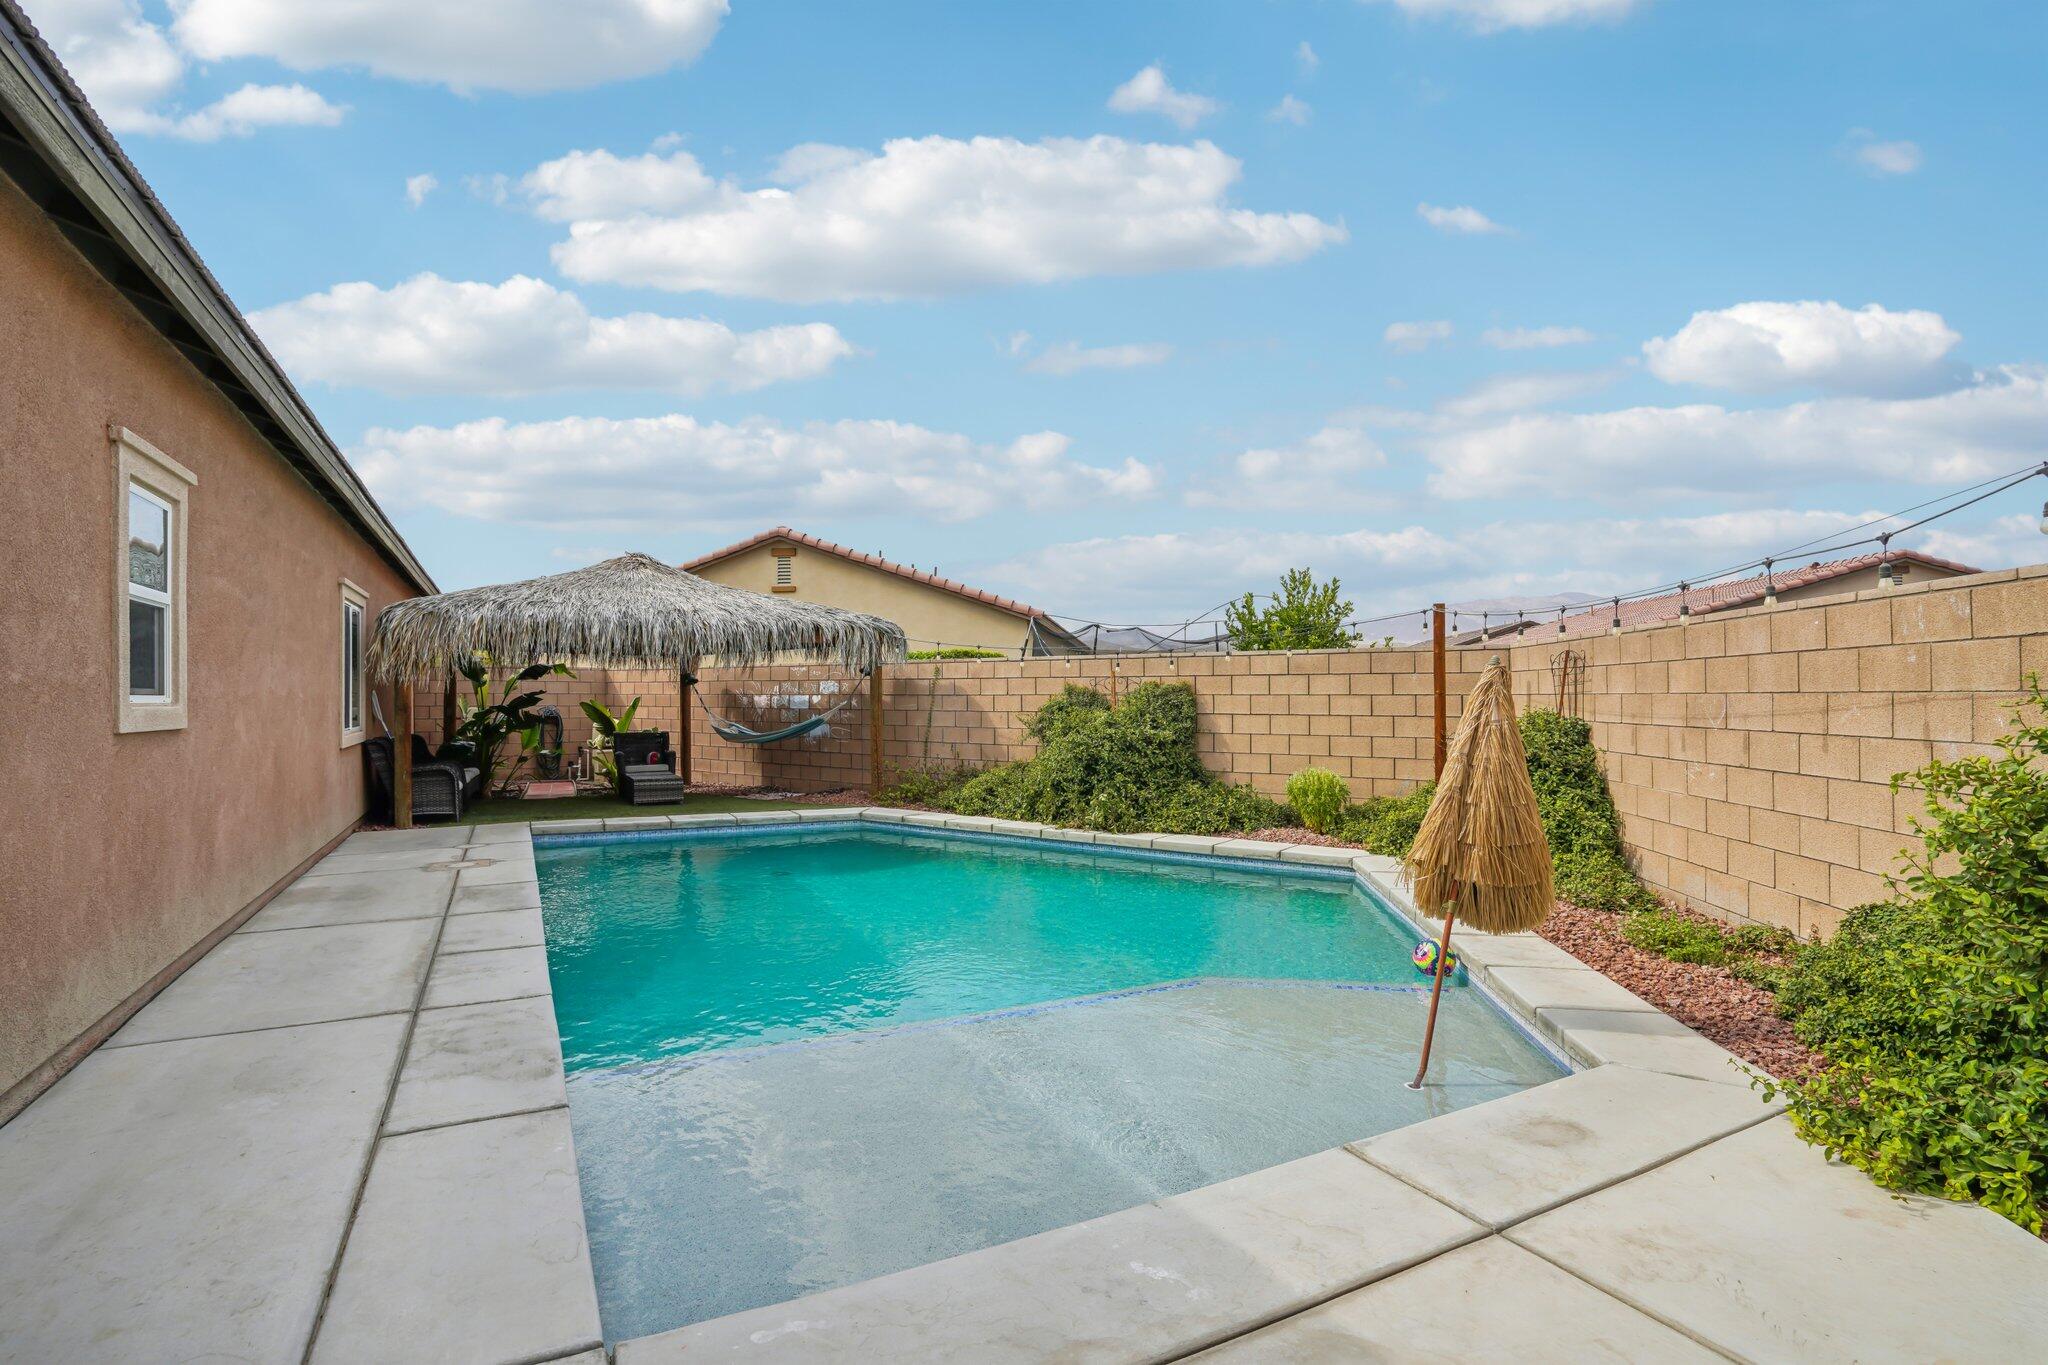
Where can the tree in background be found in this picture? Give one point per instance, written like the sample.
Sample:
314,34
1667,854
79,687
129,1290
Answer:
1302,615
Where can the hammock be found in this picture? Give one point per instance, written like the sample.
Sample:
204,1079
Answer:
735,733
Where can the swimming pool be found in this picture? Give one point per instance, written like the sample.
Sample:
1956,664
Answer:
802,1056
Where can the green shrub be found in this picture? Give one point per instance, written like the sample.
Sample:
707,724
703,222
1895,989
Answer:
1131,766
1319,797
925,787
956,652
1933,1012
1386,825
1686,938
1579,820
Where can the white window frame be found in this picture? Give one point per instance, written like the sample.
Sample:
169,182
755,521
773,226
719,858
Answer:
140,467
354,598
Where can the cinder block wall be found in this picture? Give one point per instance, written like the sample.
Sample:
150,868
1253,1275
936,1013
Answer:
1364,714
1751,753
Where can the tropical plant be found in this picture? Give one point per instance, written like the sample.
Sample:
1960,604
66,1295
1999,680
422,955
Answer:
495,712
1304,614
1318,797
604,727
1933,1012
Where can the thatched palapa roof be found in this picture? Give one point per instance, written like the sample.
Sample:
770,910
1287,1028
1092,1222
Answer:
633,611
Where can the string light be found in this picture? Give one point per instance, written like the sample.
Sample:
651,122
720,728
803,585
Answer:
1770,586
1885,578
1684,604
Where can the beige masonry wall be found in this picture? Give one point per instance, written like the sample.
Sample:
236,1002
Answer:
1751,753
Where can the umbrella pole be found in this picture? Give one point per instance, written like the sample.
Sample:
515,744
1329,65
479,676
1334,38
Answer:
1436,992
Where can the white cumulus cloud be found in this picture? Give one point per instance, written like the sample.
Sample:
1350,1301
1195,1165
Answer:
1149,92
1534,338
658,474
1758,346
1410,337
925,217
522,46
1994,424
430,335
1325,470
131,71
1492,16
418,187
1070,357
1463,219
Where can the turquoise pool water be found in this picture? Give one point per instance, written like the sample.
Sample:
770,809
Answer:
803,1057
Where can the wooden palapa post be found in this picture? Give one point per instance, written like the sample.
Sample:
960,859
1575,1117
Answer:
401,754
875,729
1436,650
685,680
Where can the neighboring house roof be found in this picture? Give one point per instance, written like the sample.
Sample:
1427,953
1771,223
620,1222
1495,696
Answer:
782,534
54,146
1597,617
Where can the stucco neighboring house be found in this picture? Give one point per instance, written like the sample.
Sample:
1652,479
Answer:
190,571
934,612
1791,583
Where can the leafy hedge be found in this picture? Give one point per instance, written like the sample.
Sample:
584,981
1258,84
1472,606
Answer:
955,652
1933,1010
1386,824
1579,819
1123,767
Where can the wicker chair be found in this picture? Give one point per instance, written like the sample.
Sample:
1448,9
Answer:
437,788
645,778
459,752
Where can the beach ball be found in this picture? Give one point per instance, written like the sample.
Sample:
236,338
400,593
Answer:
1425,958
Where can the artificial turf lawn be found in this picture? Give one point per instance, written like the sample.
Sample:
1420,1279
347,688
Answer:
508,810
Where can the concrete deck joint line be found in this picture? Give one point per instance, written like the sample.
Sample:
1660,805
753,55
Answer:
377,1133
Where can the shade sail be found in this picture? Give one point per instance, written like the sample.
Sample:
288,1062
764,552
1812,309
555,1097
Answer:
632,611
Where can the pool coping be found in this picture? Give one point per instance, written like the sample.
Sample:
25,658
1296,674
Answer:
1568,1008
1650,1193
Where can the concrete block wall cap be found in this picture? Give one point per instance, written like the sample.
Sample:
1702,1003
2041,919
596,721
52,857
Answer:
1515,1157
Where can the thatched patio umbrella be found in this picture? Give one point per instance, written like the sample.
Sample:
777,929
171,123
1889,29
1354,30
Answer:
1480,855
630,612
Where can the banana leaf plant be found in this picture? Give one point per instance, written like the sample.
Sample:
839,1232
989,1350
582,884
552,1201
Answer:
494,713
603,726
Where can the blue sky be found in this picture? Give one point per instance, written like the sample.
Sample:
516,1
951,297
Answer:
1122,309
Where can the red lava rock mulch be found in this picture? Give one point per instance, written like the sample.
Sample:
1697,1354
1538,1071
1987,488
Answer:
1730,1011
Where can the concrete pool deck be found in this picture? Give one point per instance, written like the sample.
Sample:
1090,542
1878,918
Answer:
343,1135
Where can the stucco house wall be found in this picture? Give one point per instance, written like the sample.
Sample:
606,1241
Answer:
928,615
126,852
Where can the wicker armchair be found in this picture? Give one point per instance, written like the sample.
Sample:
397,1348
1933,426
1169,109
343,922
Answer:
645,777
459,752
437,788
